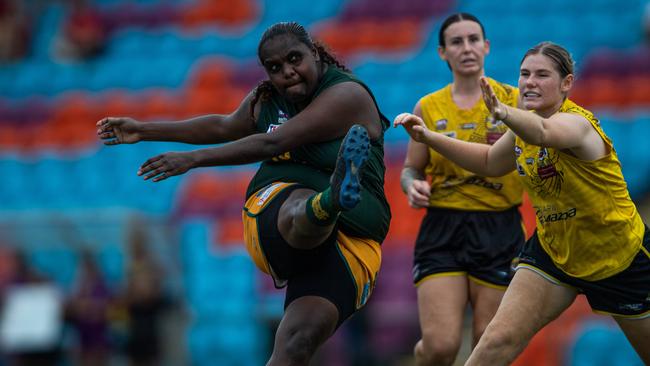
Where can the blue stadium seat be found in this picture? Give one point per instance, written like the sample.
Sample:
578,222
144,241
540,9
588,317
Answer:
600,343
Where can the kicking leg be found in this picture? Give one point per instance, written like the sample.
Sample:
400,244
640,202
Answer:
307,218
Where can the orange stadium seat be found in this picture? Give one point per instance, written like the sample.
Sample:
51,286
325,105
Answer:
210,194
74,122
229,231
219,100
401,34
212,73
76,107
580,93
550,345
236,12
636,91
528,215
221,11
9,137
369,35
605,91
117,103
160,103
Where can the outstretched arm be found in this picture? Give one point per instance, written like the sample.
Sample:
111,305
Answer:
208,129
486,160
560,131
327,117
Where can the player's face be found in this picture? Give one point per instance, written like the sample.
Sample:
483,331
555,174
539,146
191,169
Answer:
540,85
465,48
291,66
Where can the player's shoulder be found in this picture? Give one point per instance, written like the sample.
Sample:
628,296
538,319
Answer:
435,97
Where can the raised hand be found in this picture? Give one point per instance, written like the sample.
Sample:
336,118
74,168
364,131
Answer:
166,165
413,125
118,130
493,104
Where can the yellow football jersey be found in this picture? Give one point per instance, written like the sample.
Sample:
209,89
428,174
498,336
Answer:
452,186
586,221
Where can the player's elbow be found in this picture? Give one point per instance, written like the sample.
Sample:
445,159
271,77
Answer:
270,147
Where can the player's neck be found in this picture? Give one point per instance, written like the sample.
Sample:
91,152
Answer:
465,91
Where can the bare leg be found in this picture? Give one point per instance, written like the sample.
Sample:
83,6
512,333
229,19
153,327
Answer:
307,323
637,332
294,225
441,306
485,302
530,302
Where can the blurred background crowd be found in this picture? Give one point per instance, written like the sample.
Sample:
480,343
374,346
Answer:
100,268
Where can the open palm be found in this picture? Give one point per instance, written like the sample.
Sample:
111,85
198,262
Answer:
493,104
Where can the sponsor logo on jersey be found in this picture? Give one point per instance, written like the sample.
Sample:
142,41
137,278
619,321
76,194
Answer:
282,116
468,126
441,124
451,134
478,181
558,216
630,307
262,196
518,150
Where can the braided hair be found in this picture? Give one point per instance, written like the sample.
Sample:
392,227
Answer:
264,89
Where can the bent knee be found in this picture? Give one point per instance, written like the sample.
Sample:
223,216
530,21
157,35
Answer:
437,351
301,343
300,347
500,338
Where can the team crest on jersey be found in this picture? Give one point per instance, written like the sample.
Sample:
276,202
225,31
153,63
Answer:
441,124
272,127
282,116
530,161
546,177
543,154
547,171
545,168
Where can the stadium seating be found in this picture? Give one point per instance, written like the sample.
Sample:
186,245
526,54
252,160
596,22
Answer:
177,59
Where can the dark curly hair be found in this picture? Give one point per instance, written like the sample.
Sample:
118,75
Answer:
265,88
